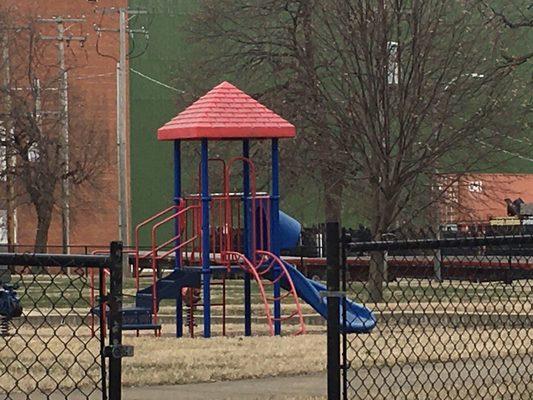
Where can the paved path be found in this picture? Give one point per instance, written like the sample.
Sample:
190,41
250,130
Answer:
253,389
510,377
465,379
281,388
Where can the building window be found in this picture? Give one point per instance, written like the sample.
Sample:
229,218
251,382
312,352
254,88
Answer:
393,69
3,152
475,187
3,226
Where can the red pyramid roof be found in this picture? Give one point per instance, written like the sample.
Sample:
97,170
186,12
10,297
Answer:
226,113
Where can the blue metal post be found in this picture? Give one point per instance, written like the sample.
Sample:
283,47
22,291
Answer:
247,237
274,232
206,270
177,260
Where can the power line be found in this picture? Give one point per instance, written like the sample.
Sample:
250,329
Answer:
94,76
511,153
153,80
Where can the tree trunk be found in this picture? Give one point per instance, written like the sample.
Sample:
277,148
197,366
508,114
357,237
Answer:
332,198
376,276
379,222
44,219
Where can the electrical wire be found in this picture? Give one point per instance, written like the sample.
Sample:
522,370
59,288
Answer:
153,80
94,76
511,153
98,36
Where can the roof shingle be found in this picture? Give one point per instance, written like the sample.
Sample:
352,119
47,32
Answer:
226,112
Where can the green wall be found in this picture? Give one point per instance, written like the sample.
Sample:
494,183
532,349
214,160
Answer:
152,105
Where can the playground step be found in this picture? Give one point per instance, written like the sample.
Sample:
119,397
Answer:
132,316
136,316
143,300
140,327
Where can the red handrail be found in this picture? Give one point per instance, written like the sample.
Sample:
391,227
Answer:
156,248
249,267
292,289
178,247
144,223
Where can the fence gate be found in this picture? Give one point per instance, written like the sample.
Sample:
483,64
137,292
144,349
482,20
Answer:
454,319
52,336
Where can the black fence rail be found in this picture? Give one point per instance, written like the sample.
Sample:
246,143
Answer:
439,334
52,341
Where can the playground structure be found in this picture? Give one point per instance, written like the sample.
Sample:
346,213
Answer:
231,232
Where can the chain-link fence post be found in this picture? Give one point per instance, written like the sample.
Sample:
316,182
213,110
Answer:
114,351
333,295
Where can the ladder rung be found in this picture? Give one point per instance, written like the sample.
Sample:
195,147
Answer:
212,305
286,317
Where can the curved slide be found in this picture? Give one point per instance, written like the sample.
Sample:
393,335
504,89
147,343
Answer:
359,319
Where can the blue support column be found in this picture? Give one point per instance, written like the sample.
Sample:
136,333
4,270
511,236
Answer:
206,269
274,233
247,215
177,260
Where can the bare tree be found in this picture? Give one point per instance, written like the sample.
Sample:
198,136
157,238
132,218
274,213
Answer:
516,16
30,138
270,46
387,92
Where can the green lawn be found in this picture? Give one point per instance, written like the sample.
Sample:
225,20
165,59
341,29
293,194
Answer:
62,292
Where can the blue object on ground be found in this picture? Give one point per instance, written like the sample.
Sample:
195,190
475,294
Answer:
9,302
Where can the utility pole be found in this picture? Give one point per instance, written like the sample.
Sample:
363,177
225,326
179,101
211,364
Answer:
124,32
63,38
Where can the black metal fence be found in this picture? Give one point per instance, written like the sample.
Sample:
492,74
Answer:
52,341
454,319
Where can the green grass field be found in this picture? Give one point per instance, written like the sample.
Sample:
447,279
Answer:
62,292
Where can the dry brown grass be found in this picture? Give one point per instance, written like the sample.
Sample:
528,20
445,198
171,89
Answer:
168,360
400,346
171,361
47,359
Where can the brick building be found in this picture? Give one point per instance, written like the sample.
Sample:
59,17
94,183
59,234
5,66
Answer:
92,77
478,198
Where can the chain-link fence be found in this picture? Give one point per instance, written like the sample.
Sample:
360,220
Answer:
454,319
51,341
